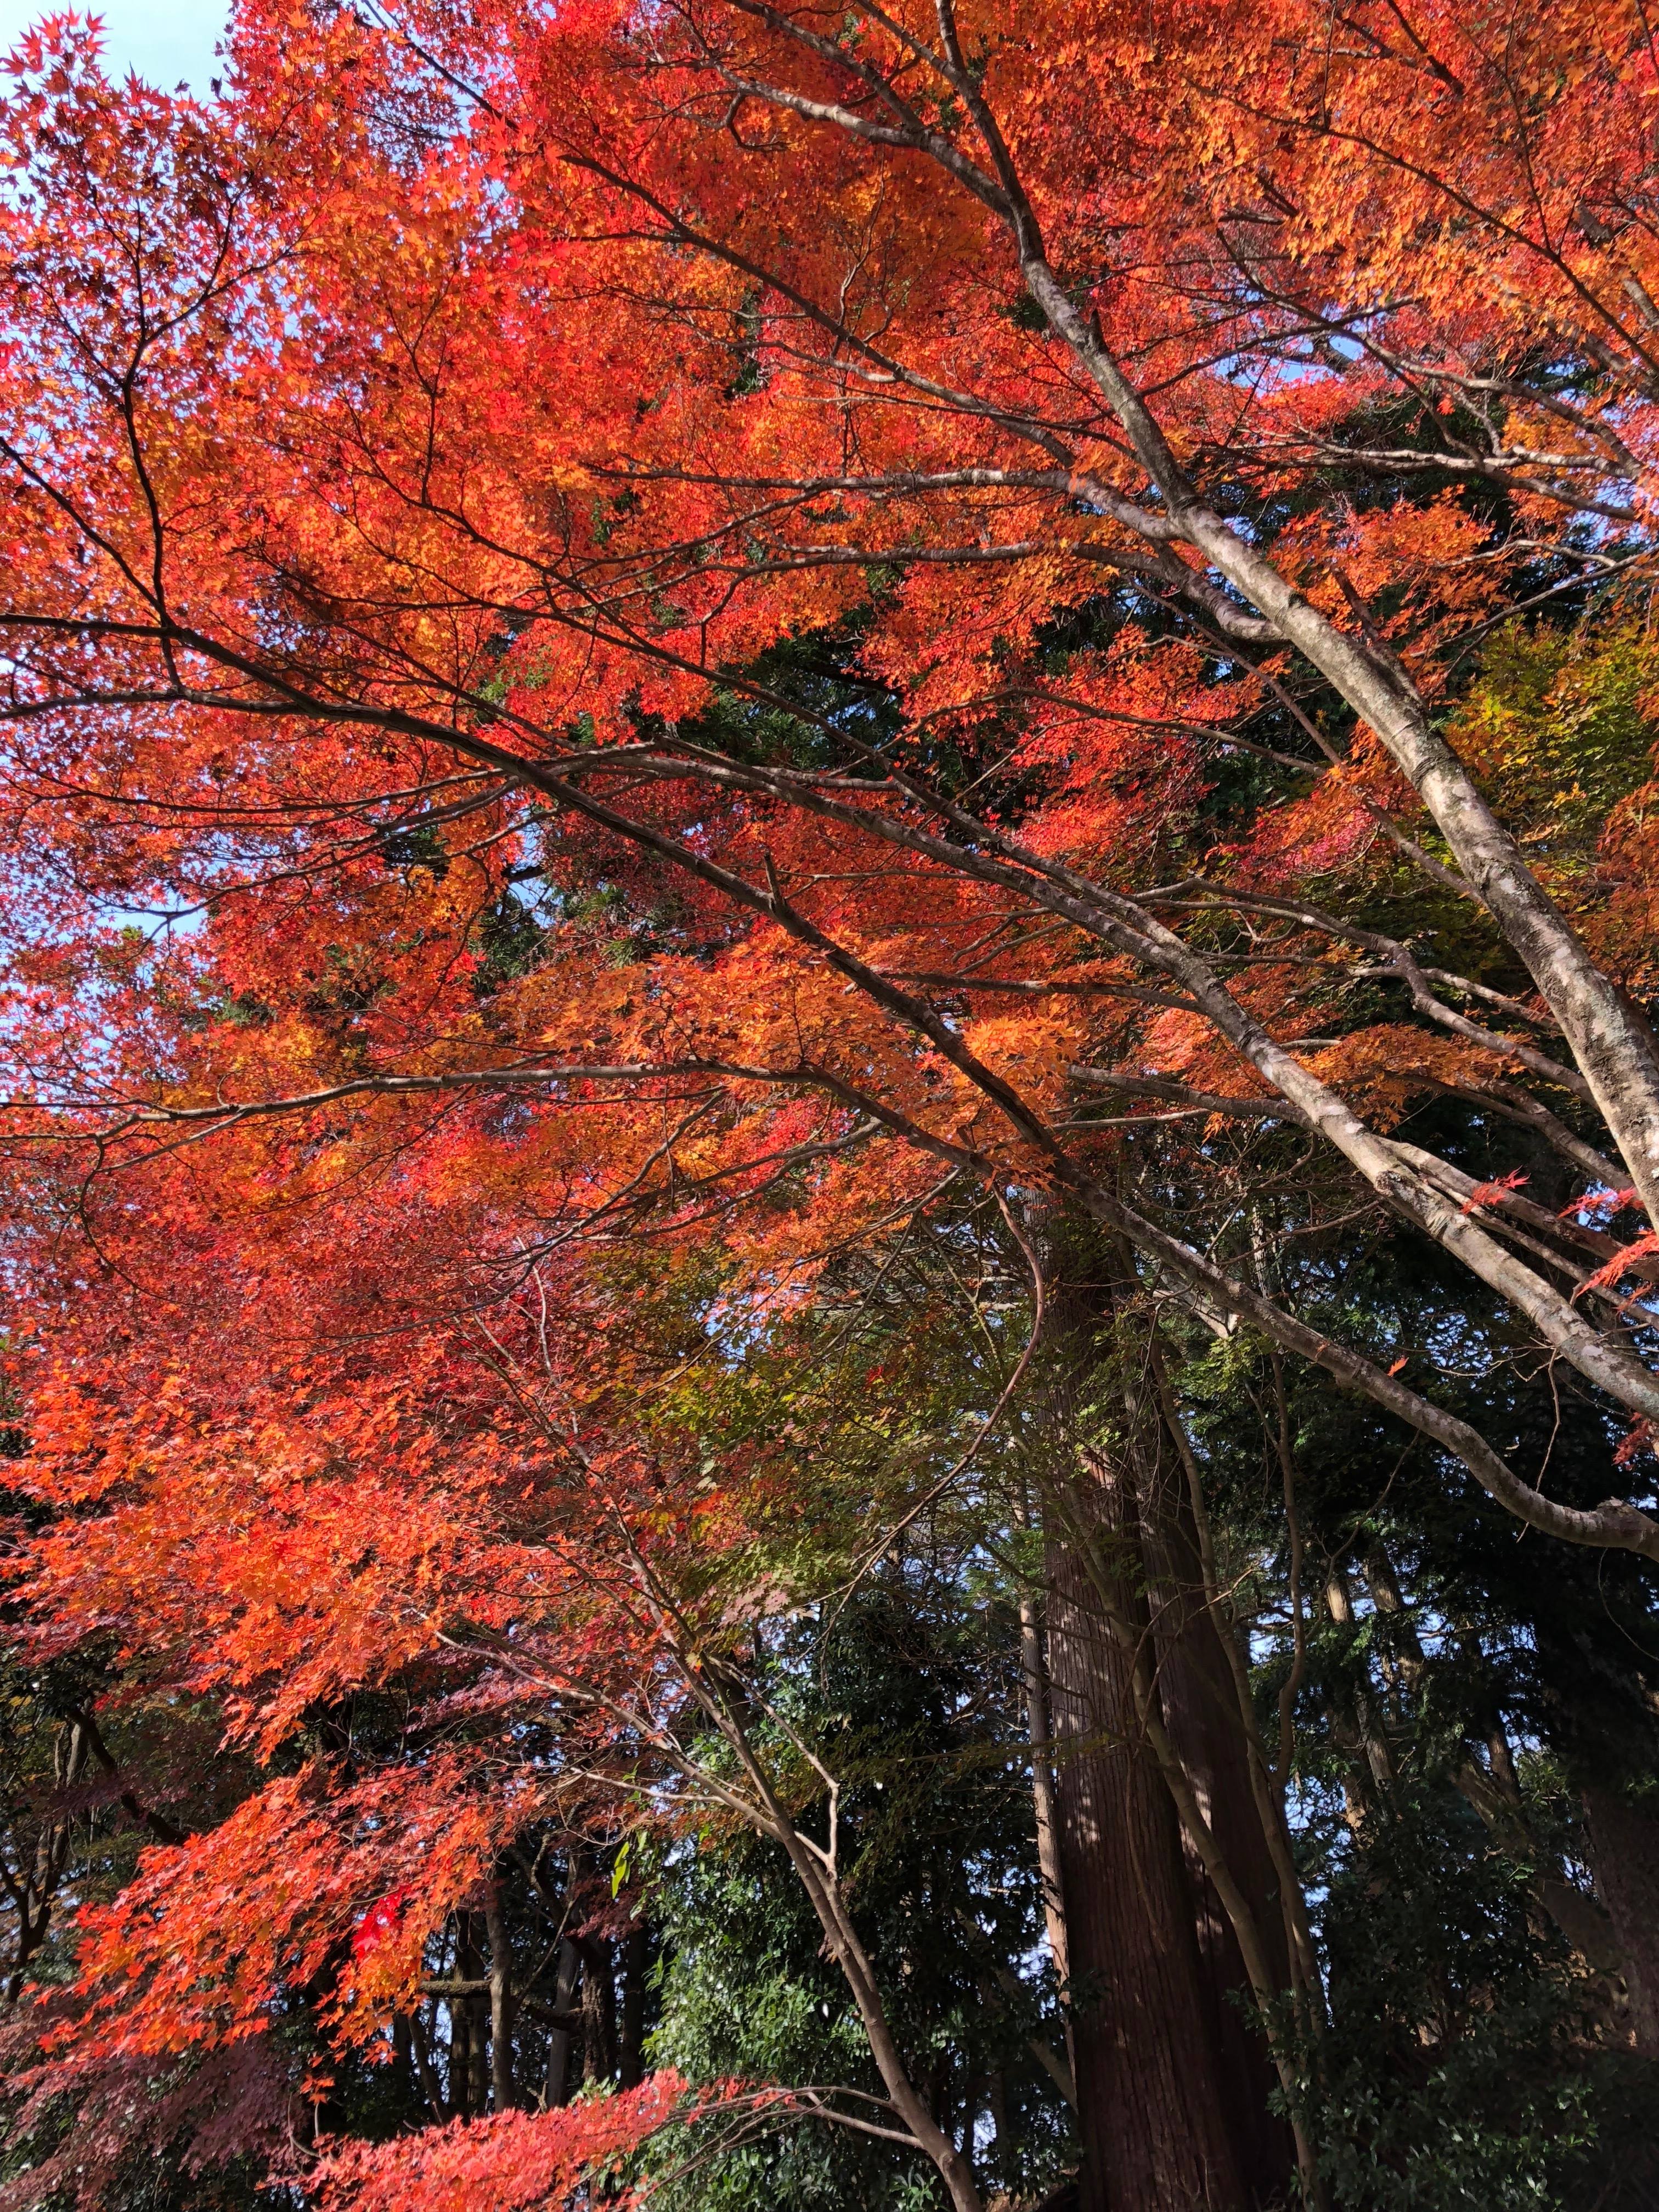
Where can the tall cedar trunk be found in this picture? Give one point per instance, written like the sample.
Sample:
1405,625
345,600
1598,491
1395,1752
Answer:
1173,2075
1200,1709
478,2051
1153,2108
1624,1841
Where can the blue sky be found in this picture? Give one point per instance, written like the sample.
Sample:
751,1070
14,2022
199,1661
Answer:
167,41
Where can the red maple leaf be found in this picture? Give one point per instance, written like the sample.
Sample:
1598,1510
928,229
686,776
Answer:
381,1922
1492,1193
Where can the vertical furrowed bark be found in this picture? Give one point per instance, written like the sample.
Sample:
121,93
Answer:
1127,1585
1150,2107
1267,1782
1201,1707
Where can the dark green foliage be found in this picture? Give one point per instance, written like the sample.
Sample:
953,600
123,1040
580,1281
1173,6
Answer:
510,942
417,845
1473,2059
912,1698
1465,2067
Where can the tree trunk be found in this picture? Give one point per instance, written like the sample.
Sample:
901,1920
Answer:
460,2072
635,1957
558,2087
504,2095
1200,1709
1035,1674
403,2059
1358,1730
441,2107
478,2022
1173,2071
1624,1841
598,2008
1586,1925
1154,2108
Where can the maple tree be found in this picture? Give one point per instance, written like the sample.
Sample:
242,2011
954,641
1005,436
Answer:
653,661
